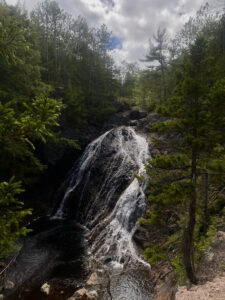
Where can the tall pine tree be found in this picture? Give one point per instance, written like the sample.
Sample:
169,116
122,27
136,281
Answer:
195,124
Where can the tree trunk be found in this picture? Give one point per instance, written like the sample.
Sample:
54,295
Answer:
188,242
163,79
205,225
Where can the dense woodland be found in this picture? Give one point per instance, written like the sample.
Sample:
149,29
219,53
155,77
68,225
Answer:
52,64
187,175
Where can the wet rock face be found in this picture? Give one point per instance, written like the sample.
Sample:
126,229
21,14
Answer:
111,168
104,194
53,256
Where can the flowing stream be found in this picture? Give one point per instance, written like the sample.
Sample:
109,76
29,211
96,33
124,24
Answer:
105,194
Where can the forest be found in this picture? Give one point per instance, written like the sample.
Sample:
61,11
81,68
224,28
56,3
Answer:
57,71
51,65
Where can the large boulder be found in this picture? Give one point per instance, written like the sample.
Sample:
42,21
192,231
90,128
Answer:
45,289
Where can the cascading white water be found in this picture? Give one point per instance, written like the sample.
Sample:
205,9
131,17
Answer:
107,193
84,163
103,194
116,238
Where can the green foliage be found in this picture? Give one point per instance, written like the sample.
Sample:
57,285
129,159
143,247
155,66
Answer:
75,61
11,38
19,54
178,266
154,254
171,161
204,241
143,97
34,122
62,142
11,215
153,217
40,116
192,141
19,131
47,55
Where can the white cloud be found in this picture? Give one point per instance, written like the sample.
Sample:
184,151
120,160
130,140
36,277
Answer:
133,22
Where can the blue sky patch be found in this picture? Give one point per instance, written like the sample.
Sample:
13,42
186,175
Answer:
116,43
108,2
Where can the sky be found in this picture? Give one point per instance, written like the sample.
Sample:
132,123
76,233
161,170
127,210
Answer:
132,22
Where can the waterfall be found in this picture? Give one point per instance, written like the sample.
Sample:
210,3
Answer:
105,195
77,175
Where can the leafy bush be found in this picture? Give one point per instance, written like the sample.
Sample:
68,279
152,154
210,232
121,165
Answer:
11,215
178,266
154,254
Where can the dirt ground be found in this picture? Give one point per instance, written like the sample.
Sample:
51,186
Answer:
211,273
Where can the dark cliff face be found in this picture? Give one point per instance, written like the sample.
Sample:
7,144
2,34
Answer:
101,187
109,166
